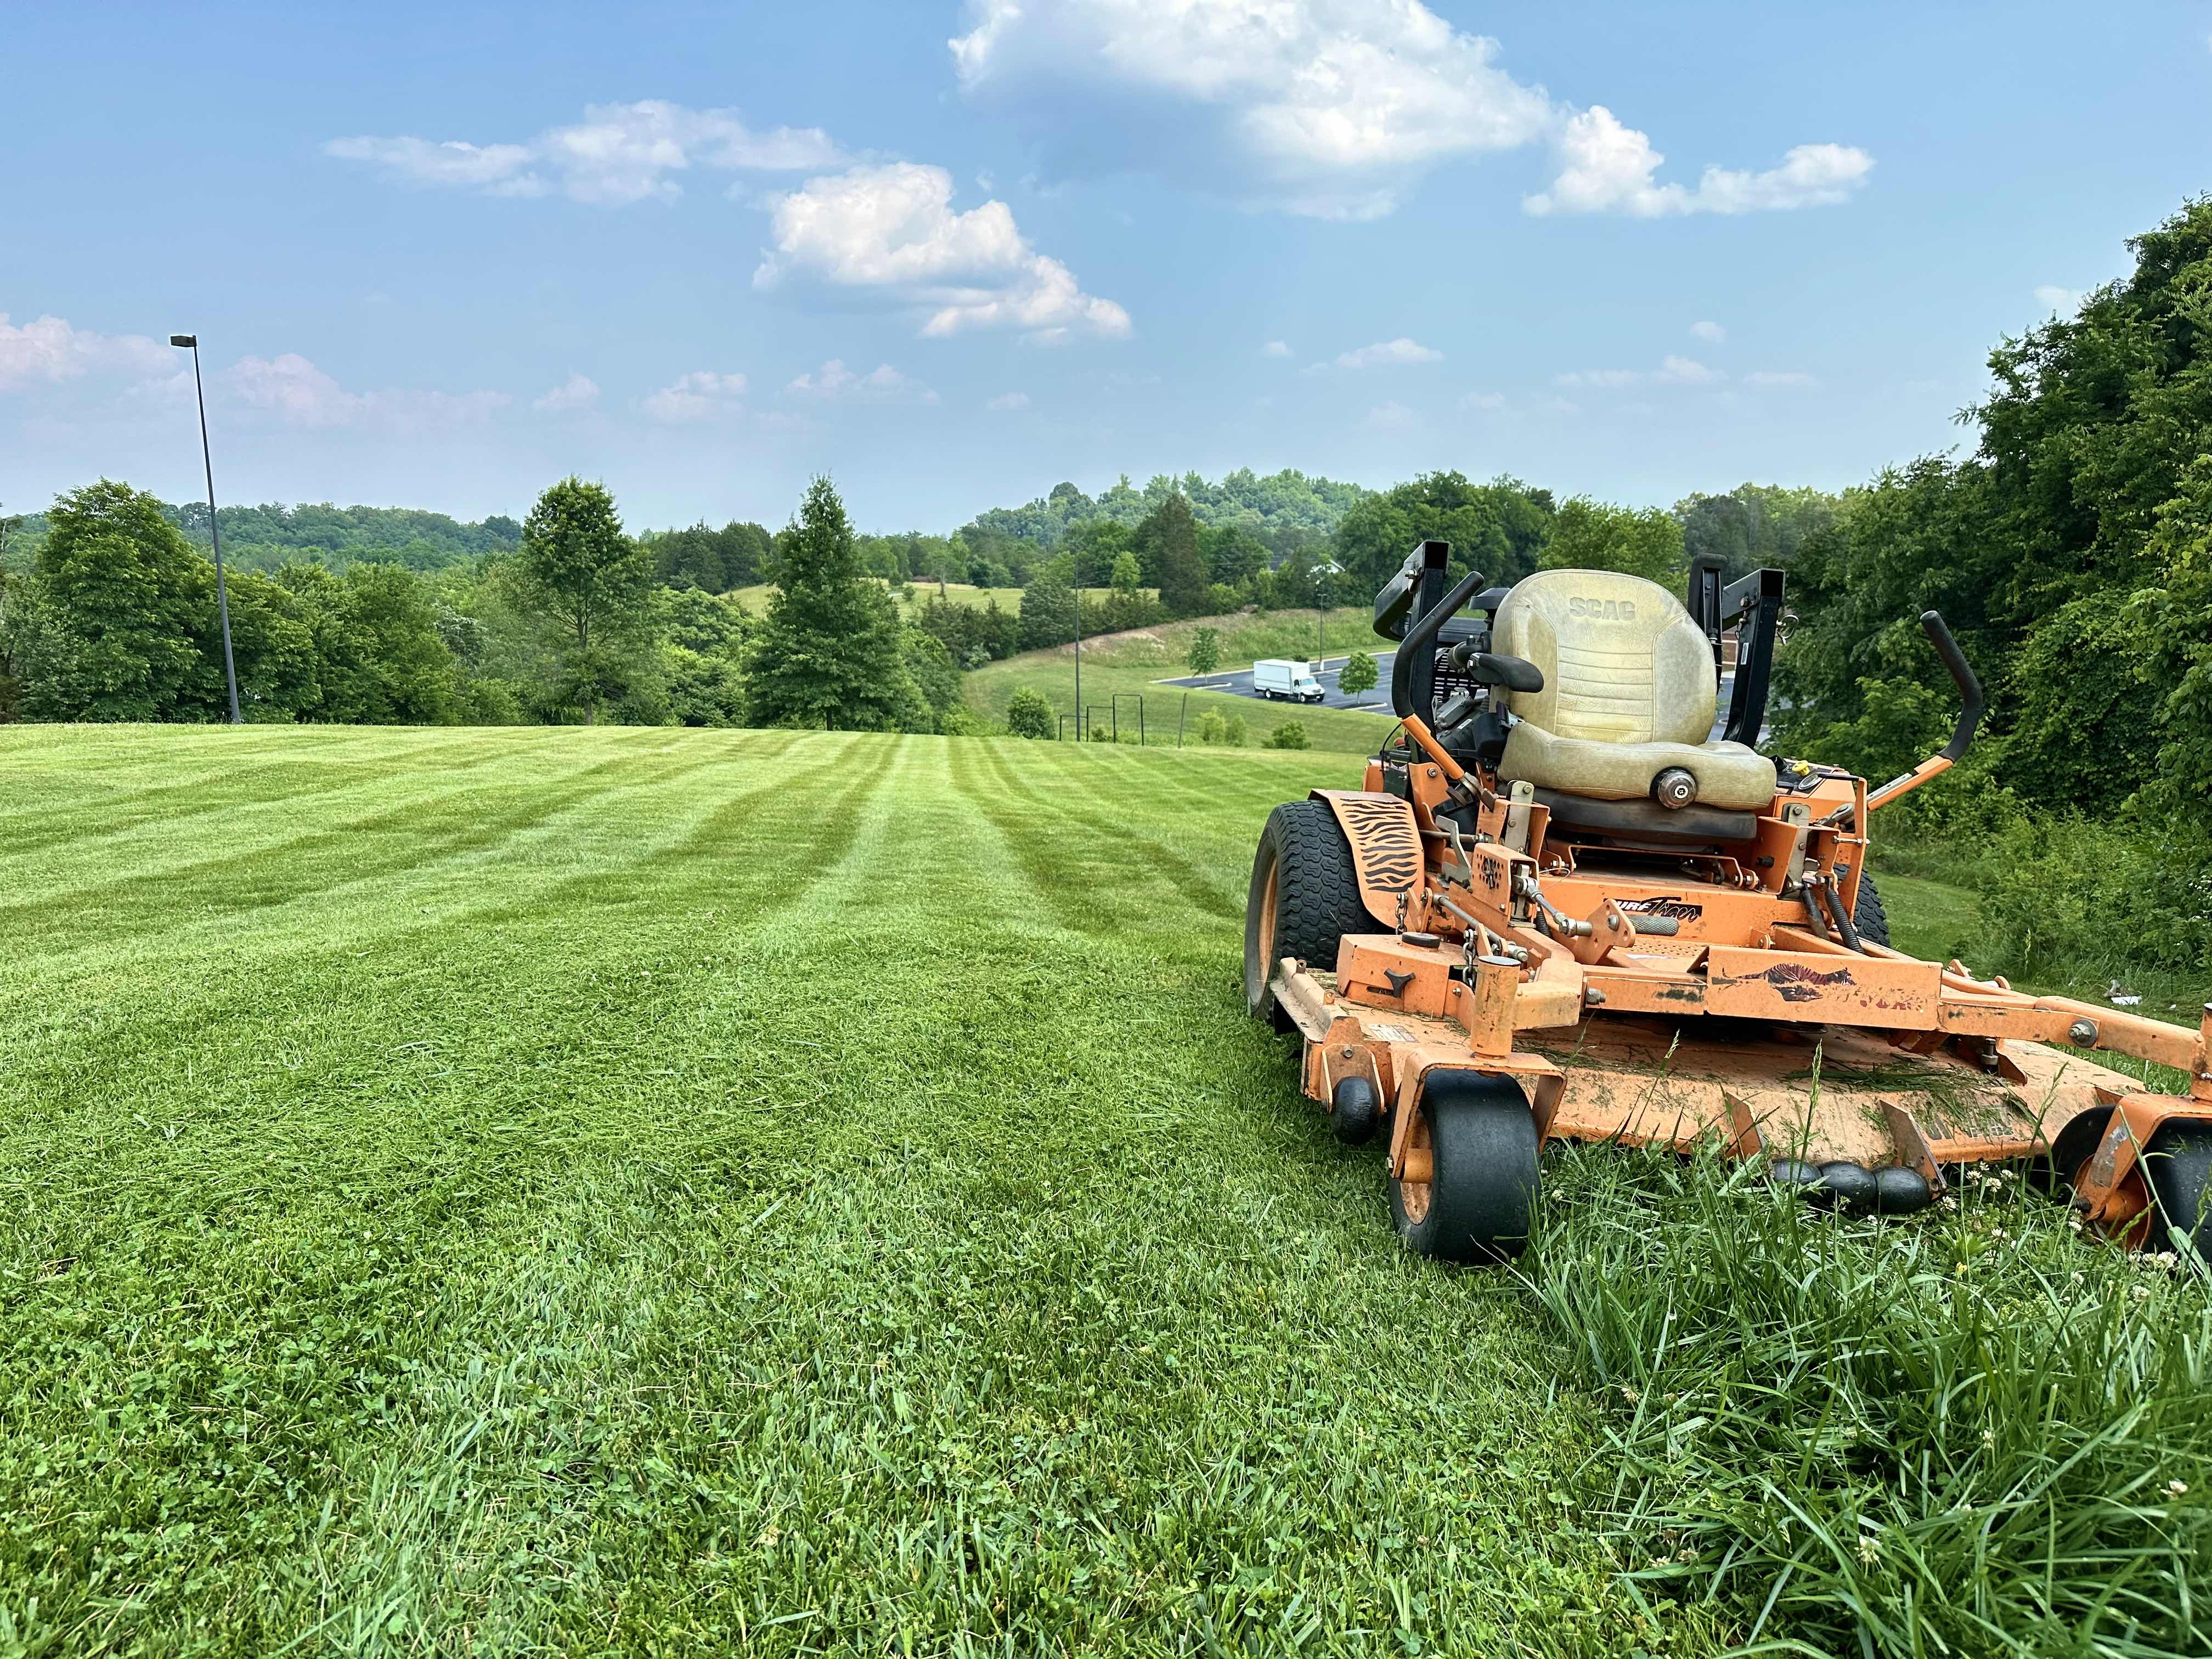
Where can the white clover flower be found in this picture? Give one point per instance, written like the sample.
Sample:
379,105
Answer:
2177,1489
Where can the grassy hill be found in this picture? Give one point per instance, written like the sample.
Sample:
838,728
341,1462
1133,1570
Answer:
625,1190
1135,662
756,598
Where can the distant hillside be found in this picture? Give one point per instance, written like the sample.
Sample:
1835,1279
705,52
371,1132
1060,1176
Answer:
263,538
1281,504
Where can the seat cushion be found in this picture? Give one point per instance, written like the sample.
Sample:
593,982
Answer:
1728,774
1622,660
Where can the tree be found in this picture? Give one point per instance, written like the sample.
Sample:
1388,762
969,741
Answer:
1095,547
829,652
124,616
1498,528
2088,482
1028,715
1754,526
1171,534
1588,535
1047,606
935,675
1206,651
1128,575
590,581
1359,674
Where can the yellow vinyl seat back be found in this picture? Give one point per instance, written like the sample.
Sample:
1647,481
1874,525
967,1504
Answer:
1630,690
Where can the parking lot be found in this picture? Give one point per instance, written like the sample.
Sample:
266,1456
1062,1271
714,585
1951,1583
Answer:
1237,681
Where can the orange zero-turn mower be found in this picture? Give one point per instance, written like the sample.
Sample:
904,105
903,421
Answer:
1561,910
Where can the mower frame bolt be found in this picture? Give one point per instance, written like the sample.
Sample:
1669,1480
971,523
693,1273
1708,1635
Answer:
2082,1034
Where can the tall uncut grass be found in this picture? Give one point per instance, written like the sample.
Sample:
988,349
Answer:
1973,1433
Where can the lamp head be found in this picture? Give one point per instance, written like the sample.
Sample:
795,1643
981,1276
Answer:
184,339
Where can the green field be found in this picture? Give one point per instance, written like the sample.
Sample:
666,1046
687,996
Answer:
510,1190
1133,663
756,599
656,1191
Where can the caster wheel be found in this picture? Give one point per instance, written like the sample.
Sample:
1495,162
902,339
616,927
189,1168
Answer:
1479,1203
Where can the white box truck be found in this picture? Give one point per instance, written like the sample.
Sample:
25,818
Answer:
1281,680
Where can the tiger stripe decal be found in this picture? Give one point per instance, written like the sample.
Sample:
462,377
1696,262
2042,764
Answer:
1386,848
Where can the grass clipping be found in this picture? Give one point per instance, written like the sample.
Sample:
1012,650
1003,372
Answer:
1973,1433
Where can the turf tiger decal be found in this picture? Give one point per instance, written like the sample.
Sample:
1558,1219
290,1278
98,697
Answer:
1386,848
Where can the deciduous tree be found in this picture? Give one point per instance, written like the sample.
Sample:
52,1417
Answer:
590,582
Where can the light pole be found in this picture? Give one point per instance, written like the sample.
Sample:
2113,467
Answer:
207,456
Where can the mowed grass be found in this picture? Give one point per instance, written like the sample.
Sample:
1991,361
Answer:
1133,663
632,1190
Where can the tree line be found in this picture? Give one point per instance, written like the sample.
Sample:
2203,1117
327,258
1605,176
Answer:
114,617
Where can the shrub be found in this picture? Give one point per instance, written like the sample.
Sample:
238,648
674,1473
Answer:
2068,897
962,721
1291,734
1028,715
1211,727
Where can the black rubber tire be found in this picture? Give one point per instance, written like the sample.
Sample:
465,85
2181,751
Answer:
2178,1164
1868,915
1304,899
1480,1205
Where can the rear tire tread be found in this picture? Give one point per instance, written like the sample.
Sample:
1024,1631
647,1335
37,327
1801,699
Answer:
1304,853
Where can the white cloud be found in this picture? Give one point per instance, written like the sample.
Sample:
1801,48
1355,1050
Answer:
893,227
578,392
1276,349
1711,333
1611,168
1672,371
1390,416
618,155
1386,353
834,379
1483,400
1330,107
47,351
1611,379
697,397
299,394
2053,297
1768,377
1009,400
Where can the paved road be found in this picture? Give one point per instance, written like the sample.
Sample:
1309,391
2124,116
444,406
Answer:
1237,683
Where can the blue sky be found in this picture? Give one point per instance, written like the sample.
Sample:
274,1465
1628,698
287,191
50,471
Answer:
954,253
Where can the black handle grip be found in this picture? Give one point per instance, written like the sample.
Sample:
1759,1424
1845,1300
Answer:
1962,675
1420,638
1488,668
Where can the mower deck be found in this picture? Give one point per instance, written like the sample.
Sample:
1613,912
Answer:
1817,1094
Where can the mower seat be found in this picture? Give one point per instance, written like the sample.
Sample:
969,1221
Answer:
1630,690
